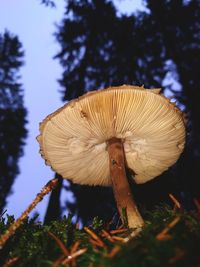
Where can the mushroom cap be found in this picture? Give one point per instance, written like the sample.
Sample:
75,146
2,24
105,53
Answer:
73,139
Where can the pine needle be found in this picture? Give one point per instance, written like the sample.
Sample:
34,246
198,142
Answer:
107,235
197,204
73,250
132,235
94,236
117,231
11,261
179,254
57,262
175,201
163,235
74,255
60,244
114,252
95,243
118,238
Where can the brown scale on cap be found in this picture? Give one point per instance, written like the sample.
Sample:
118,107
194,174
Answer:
92,138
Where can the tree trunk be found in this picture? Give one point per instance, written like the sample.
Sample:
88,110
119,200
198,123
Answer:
54,208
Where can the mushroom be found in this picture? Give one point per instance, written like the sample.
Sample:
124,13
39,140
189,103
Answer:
94,139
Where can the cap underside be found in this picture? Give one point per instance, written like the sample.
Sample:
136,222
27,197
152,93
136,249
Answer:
73,140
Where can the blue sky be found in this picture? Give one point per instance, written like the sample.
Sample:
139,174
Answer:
35,24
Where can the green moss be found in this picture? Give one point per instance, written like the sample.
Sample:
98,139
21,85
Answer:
34,246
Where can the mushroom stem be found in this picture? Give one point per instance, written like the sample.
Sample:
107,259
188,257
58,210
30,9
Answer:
123,196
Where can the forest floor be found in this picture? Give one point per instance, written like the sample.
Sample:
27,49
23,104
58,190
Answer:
170,237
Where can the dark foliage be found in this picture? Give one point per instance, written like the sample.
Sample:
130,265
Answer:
177,25
91,202
49,3
12,113
99,48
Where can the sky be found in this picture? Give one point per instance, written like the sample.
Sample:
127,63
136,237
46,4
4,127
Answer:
35,24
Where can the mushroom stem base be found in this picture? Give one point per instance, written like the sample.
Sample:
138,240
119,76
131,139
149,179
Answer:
123,196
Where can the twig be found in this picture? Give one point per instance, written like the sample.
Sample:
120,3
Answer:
60,244
11,230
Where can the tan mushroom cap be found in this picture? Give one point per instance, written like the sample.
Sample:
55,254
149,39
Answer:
73,140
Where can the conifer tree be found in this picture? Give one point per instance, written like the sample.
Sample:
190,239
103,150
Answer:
177,25
12,113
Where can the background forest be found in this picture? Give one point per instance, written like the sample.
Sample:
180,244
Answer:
99,47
